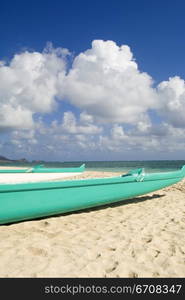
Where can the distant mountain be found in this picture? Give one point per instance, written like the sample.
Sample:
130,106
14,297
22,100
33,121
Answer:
2,158
5,159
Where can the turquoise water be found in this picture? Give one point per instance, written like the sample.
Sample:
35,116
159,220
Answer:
124,166
117,166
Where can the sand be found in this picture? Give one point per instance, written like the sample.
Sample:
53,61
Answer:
143,237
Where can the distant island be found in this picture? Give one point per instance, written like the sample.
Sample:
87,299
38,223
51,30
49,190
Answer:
4,159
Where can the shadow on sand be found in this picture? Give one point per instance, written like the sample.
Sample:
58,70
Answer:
117,203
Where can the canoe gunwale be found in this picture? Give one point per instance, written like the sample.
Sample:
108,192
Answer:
41,169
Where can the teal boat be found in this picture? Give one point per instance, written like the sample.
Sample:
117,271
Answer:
34,200
41,169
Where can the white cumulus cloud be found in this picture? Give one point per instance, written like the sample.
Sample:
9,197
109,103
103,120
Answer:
171,95
111,102
28,85
106,82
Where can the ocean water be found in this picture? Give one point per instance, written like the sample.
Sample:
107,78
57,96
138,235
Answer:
118,166
124,166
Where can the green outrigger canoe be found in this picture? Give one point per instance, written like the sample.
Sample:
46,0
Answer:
34,200
41,169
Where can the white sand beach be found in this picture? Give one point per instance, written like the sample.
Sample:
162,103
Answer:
142,237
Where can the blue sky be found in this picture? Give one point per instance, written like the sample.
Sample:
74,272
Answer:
152,128
153,29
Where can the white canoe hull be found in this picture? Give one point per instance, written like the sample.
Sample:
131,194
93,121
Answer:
33,177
